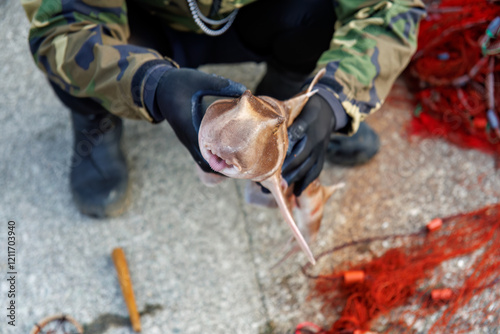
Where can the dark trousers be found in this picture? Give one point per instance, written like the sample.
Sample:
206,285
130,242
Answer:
290,35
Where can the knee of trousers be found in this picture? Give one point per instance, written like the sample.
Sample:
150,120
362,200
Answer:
292,33
309,15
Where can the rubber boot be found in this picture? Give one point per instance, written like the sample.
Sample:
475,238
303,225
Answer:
355,150
99,175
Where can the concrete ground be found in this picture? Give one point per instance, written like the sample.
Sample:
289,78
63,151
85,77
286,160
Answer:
199,257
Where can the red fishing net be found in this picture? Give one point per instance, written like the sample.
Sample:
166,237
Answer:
457,65
443,279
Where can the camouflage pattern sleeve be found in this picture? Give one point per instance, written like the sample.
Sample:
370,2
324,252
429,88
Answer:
81,45
372,44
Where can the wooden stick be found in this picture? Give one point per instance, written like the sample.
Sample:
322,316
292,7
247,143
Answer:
126,284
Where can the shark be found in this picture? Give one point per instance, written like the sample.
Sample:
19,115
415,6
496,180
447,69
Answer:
247,138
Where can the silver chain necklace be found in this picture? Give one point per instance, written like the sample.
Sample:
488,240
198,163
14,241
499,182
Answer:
201,20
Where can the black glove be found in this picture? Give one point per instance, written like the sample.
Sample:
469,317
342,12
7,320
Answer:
178,99
308,138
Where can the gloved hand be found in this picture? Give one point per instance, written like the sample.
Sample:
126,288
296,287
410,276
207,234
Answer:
308,138
178,98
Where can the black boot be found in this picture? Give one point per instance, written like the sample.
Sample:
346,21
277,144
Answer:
354,150
99,175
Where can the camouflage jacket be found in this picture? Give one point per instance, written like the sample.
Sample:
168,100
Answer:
81,45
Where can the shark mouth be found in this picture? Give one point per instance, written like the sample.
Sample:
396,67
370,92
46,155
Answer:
217,163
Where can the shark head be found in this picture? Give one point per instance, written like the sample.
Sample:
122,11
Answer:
244,138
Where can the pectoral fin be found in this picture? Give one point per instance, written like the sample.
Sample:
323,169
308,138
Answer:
294,106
